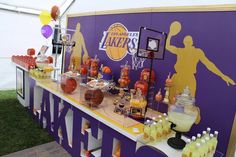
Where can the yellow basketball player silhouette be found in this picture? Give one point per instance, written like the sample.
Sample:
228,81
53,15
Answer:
187,59
75,58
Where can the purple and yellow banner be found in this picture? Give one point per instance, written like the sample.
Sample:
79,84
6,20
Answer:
200,53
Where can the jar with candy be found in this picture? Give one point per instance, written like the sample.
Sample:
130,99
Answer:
145,74
42,61
94,67
124,79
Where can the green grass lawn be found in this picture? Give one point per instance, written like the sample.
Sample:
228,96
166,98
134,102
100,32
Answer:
18,130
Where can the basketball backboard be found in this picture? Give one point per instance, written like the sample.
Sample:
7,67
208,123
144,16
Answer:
151,44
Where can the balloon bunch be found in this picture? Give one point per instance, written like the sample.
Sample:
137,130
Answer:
45,18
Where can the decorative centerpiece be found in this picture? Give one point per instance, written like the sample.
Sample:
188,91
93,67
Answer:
68,82
137,104
124,79
42,61
94,67
94,97
106,73
182,114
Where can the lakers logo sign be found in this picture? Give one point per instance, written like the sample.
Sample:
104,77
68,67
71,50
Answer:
117,41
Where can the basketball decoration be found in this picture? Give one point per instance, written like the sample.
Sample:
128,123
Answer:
158,96
94,67
106,70
68,85
142,85
169,81
94,97
31,52
124,82
55,12
145,75
124,79
50,59
88,62
93,72
83,70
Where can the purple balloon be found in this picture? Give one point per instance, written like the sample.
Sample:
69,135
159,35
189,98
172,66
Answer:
46,31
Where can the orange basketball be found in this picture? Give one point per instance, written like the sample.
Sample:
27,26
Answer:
55,12
50,59
69,85
106,70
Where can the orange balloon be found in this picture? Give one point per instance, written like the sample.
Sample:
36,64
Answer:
55,12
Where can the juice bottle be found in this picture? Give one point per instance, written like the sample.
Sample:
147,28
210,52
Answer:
166,127
194,139
186,150
204,148
208,132
159,117
192,145
154,119
204,134
215,141
164,115
153,131
198,140
159,132
146,130
208,145
211,143
196,152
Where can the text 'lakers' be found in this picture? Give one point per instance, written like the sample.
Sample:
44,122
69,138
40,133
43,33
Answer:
117,41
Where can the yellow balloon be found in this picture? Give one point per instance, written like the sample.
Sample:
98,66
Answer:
45,17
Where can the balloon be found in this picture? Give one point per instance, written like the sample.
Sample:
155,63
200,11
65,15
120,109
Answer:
55,12
46,31
45,17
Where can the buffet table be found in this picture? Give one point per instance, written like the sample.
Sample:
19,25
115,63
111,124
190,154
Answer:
107,127
65,116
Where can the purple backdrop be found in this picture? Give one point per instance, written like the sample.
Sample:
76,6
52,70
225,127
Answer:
213,32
